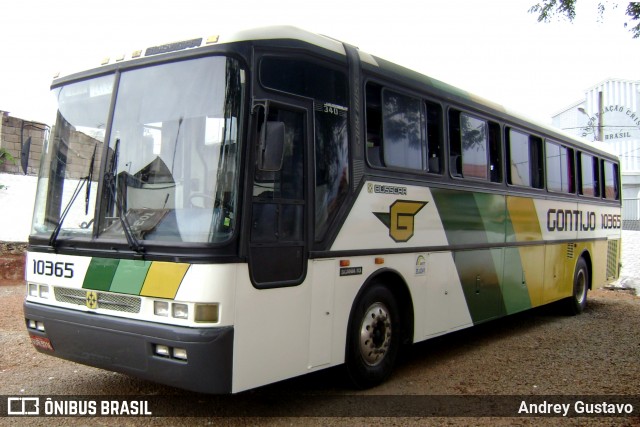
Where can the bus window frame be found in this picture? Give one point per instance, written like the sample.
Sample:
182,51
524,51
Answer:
425,102
486,124
597,187
603,180
422,127
490,122
507,159
572,169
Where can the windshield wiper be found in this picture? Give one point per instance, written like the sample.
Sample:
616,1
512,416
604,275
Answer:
89,179
56,231
110,178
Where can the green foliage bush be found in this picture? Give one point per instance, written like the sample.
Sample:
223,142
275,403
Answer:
5,156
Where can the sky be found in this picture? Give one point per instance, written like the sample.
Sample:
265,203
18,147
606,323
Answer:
494,49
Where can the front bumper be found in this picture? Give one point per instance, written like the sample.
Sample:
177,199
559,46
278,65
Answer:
127,346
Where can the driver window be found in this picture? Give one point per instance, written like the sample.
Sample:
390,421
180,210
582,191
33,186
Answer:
279,196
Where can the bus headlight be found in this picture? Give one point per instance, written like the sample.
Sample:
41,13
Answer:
180,311
197,312
38,291
207,313
33,290
44,291
161,308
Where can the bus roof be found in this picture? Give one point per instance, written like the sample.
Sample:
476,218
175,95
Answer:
383,66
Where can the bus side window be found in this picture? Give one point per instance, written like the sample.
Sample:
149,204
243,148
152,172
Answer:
596,177
475,147
610,180
537,161
524,152
402,131
559,170
588,174
374,125
434,137
474,139
455,146
495,153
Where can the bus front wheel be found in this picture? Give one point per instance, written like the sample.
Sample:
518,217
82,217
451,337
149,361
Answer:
373,337
578,300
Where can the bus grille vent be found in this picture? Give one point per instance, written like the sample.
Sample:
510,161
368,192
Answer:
570,248
106,300
612,259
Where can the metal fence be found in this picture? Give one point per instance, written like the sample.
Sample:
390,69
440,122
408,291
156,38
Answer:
631,214
631,209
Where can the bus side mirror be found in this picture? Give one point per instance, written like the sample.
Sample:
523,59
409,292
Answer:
271,148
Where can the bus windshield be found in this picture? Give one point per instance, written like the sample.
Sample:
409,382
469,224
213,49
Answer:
171,167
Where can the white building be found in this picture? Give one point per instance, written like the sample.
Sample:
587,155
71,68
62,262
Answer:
610,113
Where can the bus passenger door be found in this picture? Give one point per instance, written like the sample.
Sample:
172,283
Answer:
277,249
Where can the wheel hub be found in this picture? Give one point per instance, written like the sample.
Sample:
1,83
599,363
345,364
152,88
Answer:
581,286
375,334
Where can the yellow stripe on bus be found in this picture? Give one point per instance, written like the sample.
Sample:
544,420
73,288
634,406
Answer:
522,212
163,279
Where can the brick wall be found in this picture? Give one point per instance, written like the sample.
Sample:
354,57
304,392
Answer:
13,133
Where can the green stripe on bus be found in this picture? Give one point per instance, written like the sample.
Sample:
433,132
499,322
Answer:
514,283
100,274
476,219
481,283
492,212
493,280
460,217
130,276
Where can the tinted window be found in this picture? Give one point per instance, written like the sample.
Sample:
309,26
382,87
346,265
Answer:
519,161
588,176
611,184
525,159
402,123
434,137
474,139
278,204
559,168
332,165
495,153
304,78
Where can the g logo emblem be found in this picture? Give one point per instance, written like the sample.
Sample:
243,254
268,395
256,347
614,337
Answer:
91,300
400,219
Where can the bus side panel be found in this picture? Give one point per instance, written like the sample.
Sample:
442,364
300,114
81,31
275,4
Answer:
322,310
523,283
598,252
284,332
442,307
271,341
212,283
480,273
558,269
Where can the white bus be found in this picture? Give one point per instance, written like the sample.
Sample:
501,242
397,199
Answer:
223,213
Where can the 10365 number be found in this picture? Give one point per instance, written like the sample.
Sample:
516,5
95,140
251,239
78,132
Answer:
50,268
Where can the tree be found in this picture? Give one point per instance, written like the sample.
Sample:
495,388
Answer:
548,9
6,156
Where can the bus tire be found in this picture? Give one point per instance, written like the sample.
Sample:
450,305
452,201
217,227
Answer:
578,300
373,338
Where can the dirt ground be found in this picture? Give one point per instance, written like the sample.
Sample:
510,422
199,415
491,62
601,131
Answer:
12,263
538,353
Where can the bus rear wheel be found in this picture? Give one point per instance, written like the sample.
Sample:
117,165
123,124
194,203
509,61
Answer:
373,337
578,300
